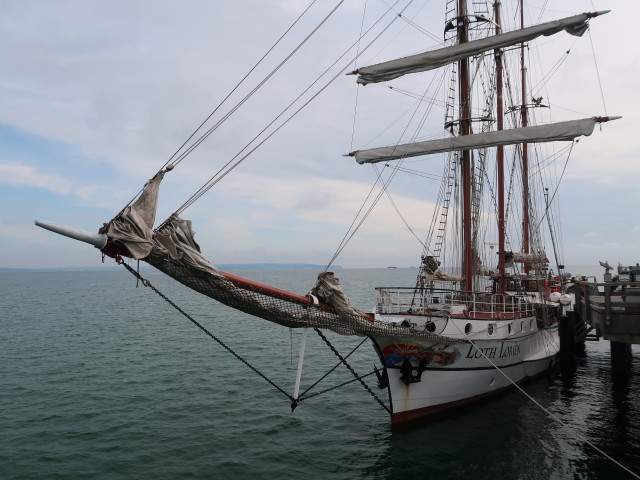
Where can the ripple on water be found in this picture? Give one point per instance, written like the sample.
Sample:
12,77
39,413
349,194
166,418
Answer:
102,380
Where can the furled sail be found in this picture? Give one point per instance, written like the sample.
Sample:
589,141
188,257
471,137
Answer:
536,258
575,25
173,250
541,133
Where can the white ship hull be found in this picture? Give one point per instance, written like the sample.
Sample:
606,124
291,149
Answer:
459,373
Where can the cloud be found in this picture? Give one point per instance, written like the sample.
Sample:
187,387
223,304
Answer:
26,176
310,199
120,85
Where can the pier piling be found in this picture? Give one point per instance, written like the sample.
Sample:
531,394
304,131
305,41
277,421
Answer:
620,356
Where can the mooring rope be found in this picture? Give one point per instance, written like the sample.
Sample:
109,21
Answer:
551,415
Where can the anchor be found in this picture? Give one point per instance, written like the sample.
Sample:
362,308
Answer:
407,371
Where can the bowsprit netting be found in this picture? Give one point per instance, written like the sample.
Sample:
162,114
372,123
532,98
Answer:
172,249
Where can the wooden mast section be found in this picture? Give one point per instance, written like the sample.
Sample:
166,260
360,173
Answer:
465,129
525,150
500,155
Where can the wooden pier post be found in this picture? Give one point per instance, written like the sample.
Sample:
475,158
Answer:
567,333
620,356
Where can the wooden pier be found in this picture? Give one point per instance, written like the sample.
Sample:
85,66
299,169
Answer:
612,308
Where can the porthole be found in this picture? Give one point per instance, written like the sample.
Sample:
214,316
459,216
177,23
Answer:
509,328
467,328
431,327
490,329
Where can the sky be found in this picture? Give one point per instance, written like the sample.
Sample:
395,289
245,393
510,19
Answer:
96,96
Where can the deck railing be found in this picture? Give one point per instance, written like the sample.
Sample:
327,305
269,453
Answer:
412,301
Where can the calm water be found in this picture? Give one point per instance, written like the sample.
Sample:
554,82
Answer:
100,379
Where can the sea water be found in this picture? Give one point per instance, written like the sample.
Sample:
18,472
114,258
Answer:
103,379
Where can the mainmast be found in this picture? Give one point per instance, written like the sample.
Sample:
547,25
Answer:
465,129
525,150
500,155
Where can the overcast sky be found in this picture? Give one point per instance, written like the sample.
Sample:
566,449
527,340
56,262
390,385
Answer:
95,96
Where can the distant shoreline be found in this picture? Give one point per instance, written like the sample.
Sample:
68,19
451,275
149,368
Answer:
228,266
242,266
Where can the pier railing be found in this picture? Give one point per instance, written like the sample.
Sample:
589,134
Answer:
609,297
412,301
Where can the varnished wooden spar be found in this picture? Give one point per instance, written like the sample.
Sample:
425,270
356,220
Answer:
274,292
115,249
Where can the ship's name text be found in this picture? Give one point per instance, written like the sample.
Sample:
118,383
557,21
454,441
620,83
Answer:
505,351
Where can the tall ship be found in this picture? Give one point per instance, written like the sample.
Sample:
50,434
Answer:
482,314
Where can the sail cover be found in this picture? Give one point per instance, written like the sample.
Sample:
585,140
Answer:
540,133
430,60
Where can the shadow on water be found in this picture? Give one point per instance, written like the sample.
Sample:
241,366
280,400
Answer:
508,436
500,437
613,425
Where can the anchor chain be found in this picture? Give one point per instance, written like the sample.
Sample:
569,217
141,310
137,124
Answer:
358,378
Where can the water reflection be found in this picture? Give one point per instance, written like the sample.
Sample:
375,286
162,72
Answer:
510,437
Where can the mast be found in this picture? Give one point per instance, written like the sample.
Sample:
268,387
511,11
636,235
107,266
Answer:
465,129
525,150
500,155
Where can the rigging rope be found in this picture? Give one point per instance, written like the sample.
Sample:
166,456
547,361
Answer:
355,67
184,154
335,387
219,175
549,413
395,207
358,378
255,89
595,62
331,370
418,173
351,231
146,283
241,82
558,184
294,401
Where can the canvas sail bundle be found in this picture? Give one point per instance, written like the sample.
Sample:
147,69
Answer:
559,131
173,250
575,25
